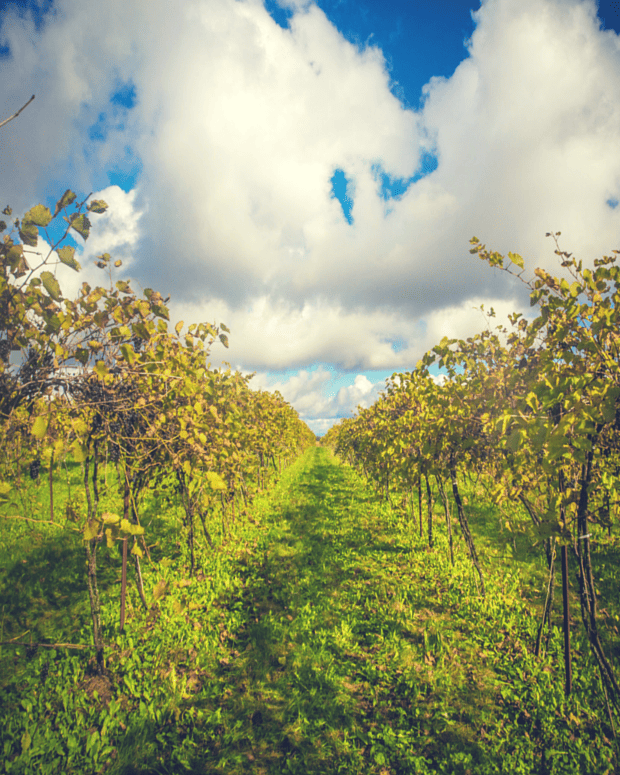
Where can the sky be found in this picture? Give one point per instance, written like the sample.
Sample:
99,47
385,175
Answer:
310,174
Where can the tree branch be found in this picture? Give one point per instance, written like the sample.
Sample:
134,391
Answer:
15,115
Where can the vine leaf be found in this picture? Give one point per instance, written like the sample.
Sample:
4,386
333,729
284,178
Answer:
50,283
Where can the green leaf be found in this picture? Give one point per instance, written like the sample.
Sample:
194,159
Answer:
29,234
224,340
161,311
39,427
81,355
128,353
66,255
26,741
66,199
81,224
51,285
97,206
515,439
39,215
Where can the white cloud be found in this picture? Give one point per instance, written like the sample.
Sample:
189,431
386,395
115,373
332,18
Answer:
115,232
239,125
309,392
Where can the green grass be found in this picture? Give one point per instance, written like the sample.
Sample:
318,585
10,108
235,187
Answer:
322,637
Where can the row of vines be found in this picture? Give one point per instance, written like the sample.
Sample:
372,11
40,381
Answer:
533,413
102,381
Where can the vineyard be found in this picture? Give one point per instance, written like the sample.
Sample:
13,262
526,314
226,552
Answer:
188,584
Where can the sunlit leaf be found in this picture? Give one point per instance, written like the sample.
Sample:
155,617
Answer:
109,537
91,530
39,427
66,255
101,369
215,481
39,215
79,451
516,259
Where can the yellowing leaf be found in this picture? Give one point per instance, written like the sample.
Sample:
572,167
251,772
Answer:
179,326
110,519
516,259
97,206
160,589
79,451
215,481
39,427
109,538
213,412
101,369
135,549
91,530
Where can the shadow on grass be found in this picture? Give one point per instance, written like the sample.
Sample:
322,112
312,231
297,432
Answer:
303,688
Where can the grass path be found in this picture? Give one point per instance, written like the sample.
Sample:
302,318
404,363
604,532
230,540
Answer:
315,669
323,638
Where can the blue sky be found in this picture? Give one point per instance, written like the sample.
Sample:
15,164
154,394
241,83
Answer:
311,174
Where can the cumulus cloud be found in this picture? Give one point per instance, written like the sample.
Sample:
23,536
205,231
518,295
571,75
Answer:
309,392
239,125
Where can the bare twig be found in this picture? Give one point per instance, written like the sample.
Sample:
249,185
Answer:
15,115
